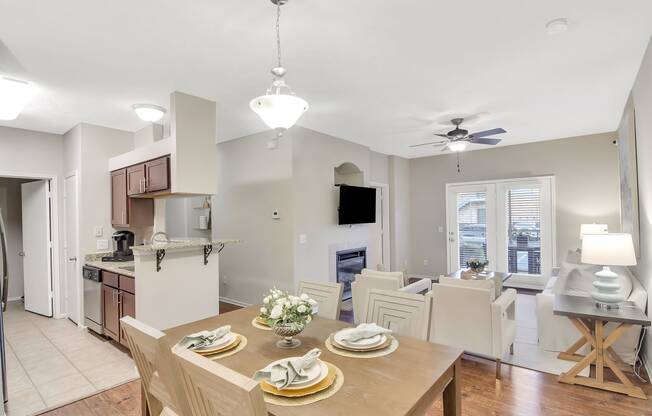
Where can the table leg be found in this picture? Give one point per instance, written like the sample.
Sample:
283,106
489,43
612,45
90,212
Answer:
452,397
602,354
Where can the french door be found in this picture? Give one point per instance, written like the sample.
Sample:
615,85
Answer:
509,223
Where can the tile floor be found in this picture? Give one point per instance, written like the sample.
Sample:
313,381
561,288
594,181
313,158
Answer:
51,362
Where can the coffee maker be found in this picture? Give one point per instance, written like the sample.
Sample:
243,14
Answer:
122,241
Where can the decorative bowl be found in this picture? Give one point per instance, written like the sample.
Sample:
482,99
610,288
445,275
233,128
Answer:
287,331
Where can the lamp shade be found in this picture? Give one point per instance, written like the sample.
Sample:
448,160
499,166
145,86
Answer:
593,229
279,110
608,249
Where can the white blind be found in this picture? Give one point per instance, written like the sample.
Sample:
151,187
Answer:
471,226
524,230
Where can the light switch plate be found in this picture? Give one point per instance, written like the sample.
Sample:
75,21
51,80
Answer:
102,244
440,229
303,238
98,231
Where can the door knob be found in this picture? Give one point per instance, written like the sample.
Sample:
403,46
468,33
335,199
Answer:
21,253
72,259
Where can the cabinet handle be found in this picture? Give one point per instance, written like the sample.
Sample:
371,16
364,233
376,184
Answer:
119,297
122,215
146,183
142,185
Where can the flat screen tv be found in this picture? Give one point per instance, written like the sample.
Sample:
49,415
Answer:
357,205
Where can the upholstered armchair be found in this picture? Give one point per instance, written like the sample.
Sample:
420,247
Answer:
466,315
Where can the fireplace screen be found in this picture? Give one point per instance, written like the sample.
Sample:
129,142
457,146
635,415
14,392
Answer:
350,263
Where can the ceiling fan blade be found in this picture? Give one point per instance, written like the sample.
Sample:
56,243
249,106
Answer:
488,133
429,144
441,135
484,140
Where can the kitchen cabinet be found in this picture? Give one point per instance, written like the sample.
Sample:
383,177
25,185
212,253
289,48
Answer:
126,211
118,300
157,174
136,179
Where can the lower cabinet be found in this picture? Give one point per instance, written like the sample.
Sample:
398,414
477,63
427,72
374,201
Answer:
116,303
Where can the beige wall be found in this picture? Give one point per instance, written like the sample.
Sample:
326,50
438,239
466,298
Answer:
642,97
399,207
587,189
252,182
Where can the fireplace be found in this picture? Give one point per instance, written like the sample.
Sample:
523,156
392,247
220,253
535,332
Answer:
348,264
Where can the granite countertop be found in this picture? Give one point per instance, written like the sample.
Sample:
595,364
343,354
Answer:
180,244
114,267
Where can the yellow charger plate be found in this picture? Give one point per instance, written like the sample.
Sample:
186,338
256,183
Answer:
261,321
232,345
323,385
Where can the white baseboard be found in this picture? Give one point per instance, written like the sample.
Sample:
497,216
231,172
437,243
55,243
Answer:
234,302
648,367
14,299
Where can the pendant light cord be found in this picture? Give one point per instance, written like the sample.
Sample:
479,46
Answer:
278,33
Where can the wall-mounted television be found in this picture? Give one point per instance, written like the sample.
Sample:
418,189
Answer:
357,205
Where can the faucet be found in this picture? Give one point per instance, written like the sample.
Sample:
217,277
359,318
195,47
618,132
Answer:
156,234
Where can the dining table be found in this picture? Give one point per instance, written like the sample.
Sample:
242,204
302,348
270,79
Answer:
405,382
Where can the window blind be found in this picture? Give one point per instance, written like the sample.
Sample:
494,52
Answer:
524,230
471,226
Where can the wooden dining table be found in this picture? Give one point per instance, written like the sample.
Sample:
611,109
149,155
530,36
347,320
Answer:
405,382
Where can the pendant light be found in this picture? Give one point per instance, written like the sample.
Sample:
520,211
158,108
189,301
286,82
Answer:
279,108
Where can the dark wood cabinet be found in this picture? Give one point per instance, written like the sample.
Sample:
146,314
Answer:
118,300
157,174
119,199
111,312
136,180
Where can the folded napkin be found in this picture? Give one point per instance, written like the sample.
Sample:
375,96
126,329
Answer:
284,374
363,331
204,338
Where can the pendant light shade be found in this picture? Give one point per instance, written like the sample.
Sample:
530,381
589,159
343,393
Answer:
279,108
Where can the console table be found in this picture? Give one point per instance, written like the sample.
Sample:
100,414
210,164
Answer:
590,321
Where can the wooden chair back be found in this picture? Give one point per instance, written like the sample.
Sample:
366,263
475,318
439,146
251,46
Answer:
406,314
327,295
154,360
212,389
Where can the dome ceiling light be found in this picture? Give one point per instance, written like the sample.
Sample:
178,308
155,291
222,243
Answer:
14,96
279,108
149,112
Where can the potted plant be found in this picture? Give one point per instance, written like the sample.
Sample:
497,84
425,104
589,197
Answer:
476,265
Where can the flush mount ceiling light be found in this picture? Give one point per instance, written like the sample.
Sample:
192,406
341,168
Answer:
279,108
14,96
457,146
557,26
149,112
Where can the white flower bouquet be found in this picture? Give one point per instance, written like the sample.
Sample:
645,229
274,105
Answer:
287,314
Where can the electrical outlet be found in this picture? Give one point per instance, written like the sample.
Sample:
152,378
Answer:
303,238
425,262
102,244
440,229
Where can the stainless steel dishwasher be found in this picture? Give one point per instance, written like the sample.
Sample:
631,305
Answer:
93,299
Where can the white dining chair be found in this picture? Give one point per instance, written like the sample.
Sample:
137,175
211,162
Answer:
213,389
399,276
405,314
327,295
155,363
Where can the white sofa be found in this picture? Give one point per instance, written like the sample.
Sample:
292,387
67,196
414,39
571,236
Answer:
466,315
557,333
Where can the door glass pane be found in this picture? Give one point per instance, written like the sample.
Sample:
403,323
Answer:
471,226
524,231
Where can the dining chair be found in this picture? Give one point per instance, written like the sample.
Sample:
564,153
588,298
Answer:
399,276
213,389
406,314
327,295
155,363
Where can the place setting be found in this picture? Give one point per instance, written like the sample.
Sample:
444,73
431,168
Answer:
367,340
216,344
301,380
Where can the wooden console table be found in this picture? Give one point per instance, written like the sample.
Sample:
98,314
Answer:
590,321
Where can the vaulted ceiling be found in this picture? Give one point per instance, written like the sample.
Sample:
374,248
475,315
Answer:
386,74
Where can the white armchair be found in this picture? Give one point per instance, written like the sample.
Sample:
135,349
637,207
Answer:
468,317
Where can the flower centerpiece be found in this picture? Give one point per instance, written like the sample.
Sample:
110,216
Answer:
287,315
476,265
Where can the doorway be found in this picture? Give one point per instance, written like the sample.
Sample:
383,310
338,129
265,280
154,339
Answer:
378,250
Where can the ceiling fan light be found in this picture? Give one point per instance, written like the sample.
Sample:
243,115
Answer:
14,96
457,146
279,110
149,112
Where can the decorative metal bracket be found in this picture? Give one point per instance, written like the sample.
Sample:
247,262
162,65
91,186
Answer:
208,249
160,254
220,248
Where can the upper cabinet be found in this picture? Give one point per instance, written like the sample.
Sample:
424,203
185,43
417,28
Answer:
126,211
182,164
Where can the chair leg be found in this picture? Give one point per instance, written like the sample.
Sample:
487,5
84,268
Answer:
498,374
511,349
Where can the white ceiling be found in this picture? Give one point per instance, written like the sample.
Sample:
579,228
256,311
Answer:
377,72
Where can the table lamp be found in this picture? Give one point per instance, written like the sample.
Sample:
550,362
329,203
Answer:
606,250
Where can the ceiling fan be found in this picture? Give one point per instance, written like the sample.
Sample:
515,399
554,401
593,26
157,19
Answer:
457,139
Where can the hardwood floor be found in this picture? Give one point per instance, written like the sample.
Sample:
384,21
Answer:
521,392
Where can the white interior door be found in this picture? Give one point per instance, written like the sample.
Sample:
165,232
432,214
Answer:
73,276
37,246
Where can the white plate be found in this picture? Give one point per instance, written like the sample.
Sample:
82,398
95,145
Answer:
219,343
362,343
316,373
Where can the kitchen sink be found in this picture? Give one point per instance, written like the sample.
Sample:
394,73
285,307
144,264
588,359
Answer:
128,268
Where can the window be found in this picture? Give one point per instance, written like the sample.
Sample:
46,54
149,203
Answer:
509,223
